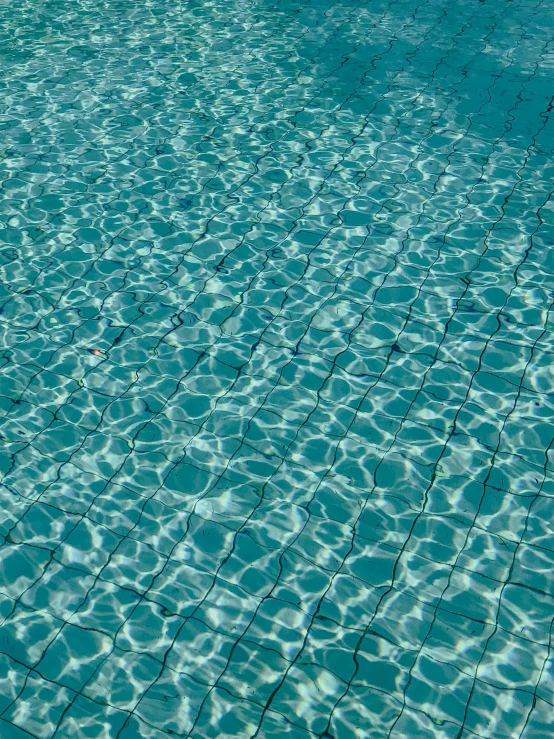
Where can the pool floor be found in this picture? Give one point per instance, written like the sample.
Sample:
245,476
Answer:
277,369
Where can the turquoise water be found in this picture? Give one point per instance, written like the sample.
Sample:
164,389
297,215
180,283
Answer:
277,385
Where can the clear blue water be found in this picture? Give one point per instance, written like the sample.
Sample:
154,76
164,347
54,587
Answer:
277,369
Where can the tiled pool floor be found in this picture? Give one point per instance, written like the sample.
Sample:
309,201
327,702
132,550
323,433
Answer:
277,369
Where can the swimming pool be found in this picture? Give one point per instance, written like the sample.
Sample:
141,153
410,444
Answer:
277,381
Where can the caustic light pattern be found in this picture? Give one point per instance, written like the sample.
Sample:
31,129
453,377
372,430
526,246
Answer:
276,369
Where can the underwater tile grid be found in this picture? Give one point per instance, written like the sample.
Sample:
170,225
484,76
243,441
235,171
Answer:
277,381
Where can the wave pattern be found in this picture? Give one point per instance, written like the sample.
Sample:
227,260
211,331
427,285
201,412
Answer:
277,389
